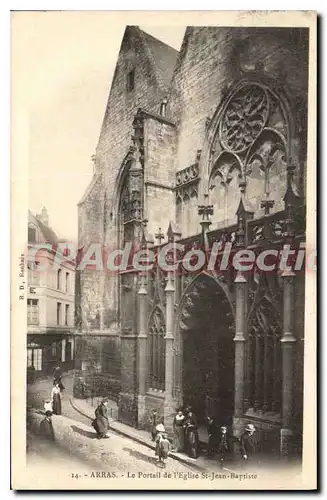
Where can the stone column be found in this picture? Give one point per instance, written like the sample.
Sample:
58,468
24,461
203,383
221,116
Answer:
169,358
258,378
287,342
239,339
142,352
291,201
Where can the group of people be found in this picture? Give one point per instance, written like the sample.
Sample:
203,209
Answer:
186,437
219,441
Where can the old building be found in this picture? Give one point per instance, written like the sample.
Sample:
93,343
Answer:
50,300
209,144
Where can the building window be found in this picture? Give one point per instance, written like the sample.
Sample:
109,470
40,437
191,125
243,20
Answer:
32,311
67,282
58,312
130,80
37,359
31,234
33,275
66,314
29,358
34,358
157,351
59,279
54,349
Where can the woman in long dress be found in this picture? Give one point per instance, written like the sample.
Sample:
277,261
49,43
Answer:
101,422
191,435
178,426
56,399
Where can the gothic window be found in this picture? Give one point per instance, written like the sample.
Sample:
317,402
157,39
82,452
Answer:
264,358
125,203
249,151
157,351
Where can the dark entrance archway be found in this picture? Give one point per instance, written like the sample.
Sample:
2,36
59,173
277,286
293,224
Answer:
208,352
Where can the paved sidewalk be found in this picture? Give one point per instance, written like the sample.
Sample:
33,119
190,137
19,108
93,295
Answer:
203,464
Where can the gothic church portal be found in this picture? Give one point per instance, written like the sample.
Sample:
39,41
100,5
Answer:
205,145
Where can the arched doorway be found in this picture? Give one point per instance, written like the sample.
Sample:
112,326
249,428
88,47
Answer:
208,351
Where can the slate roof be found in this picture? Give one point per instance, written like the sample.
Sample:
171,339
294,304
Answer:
49,235
164,56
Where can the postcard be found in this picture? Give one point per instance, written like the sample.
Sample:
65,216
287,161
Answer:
163,269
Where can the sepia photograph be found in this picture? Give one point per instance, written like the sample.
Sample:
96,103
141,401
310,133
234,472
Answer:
164,251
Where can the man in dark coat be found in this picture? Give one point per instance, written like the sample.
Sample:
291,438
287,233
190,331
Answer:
46,428
247,442
191,435
212,436
222,445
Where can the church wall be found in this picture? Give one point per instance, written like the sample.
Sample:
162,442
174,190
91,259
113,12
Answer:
90,231
159,174
212,61
97,219
115,137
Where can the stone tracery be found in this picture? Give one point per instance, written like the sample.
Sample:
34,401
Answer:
244,118
250,146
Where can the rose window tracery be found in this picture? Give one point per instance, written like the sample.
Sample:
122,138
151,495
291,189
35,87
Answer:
244,118
249,153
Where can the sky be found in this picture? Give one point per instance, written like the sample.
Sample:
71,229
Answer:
68,60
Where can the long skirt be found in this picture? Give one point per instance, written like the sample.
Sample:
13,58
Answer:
101,425
192,443
178,438
56,404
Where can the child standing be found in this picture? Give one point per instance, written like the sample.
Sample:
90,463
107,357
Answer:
164,447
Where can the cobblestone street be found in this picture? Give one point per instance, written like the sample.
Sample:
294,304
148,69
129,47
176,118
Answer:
118,455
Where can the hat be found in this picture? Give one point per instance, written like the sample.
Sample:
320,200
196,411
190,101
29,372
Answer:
160,428
250,428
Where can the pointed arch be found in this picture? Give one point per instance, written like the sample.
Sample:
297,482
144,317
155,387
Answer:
156,349
263,347
203,285
252,106
224,181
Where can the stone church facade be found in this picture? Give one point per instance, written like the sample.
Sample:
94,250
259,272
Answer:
202,146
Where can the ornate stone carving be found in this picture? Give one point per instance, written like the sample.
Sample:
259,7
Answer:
251,138
244,118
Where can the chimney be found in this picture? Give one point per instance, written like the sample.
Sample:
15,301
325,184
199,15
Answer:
44,217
